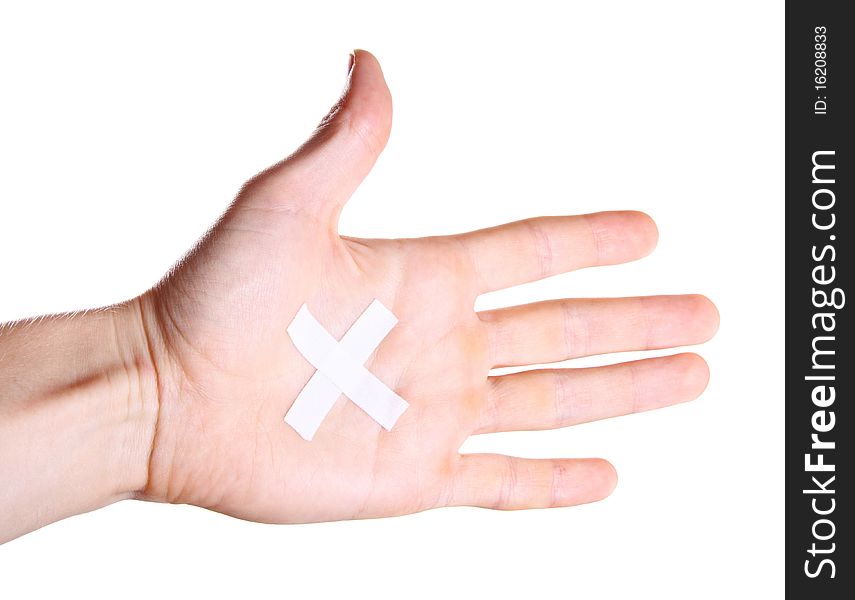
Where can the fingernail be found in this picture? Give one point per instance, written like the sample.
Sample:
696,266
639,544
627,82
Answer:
351,60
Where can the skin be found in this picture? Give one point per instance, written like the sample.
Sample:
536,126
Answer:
178,395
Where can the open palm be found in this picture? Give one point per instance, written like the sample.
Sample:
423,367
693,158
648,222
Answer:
228,371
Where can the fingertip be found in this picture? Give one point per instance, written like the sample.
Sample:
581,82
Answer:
650,235
706,314
585,480
362,52
695,375
621,236
608,478
368,104
641,231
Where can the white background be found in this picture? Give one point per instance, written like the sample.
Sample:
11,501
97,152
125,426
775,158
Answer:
124,132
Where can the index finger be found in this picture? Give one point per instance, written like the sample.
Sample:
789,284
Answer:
533,249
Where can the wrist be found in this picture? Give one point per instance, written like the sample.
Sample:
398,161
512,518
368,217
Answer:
137,400
78,410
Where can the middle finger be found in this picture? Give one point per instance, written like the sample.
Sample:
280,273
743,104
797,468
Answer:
557,330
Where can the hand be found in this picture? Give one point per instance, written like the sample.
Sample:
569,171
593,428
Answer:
227,371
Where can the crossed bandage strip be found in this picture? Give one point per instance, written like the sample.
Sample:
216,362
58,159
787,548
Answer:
340,370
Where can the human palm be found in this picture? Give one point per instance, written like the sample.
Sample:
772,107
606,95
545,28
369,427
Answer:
228,371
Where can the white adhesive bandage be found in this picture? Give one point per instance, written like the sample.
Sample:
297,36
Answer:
340,370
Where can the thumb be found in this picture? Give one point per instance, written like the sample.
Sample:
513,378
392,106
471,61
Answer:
322,174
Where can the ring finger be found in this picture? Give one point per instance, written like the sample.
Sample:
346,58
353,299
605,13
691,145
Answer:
553,398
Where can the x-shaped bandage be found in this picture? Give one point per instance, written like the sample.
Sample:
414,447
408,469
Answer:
340,370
